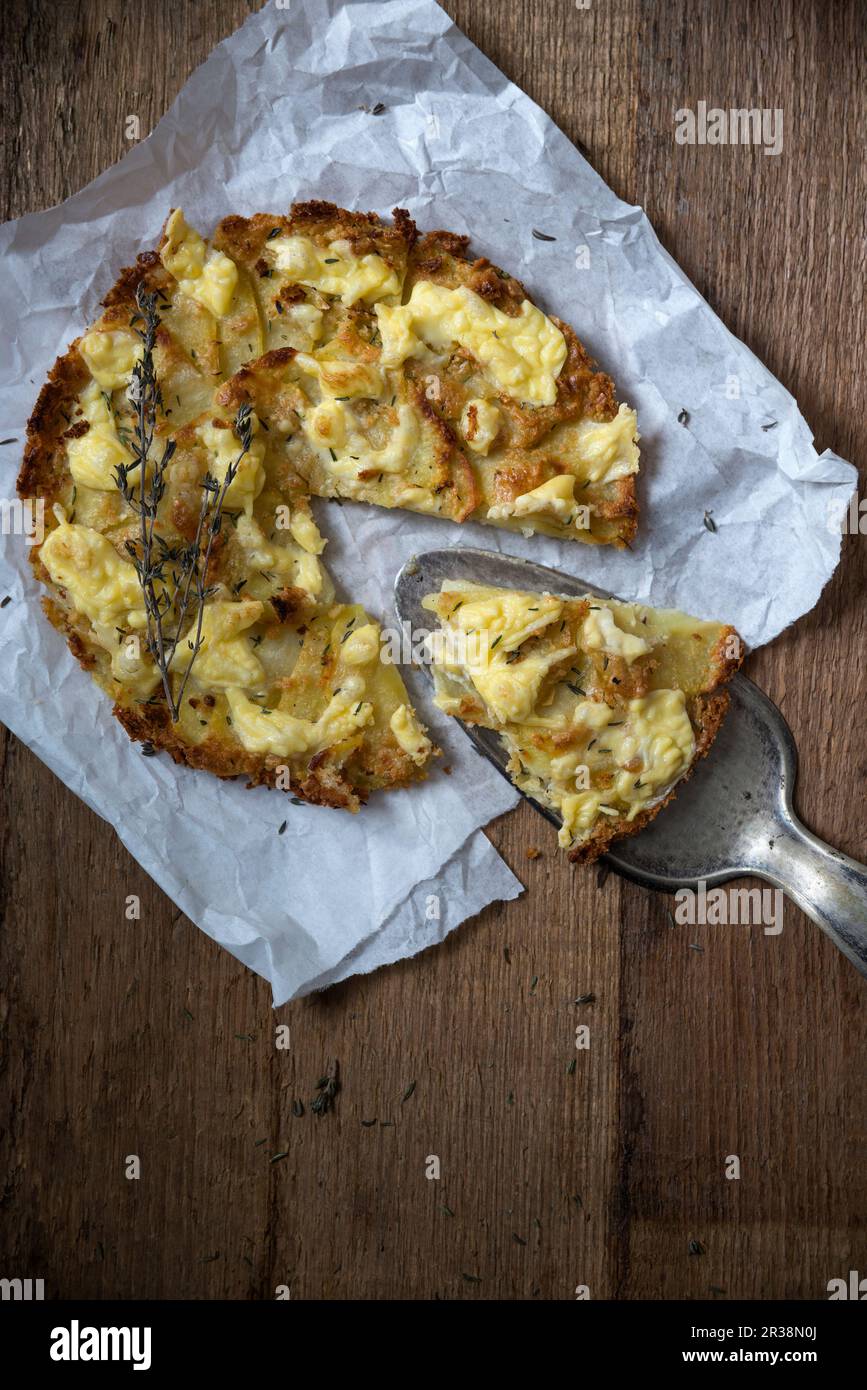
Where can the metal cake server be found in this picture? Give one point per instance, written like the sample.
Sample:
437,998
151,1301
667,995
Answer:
735,814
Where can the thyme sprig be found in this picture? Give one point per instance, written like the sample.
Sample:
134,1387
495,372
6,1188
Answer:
173,578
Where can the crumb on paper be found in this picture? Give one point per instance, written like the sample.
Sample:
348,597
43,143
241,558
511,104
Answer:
534,853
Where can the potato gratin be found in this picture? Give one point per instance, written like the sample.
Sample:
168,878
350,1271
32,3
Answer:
602,706
373,364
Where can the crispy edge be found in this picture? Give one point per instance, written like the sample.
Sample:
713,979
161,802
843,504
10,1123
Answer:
322,783
365,231
44,468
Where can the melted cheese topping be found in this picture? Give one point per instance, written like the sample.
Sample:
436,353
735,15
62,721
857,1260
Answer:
110,356
555,498
305,532
299,568
653,735
511,691
224,448
480,424
99,583
600,633
332,429
582,757
341,376
105,589
361,646
226,658
95,456
657,733
507,619
521,355
410,735
499,626
281,734
334,270
205,275
302,326
580,811
608,451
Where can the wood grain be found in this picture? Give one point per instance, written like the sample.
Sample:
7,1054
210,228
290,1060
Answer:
145,1038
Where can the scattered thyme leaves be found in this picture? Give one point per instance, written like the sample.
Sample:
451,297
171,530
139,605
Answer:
328,1085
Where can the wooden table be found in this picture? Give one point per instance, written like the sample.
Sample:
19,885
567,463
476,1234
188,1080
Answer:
145,1038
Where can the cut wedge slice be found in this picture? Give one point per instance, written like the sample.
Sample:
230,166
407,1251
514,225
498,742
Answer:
604,707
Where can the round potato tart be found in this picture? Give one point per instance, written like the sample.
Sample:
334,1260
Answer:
176,445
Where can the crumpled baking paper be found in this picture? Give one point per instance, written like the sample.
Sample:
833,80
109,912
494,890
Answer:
276,114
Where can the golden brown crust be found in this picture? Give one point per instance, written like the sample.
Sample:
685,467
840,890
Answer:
726,657
365,231
148,267
44,470
326,781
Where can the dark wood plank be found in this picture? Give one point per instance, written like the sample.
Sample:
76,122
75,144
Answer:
750,1047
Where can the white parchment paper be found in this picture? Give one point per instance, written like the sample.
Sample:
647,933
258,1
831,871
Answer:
275,115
